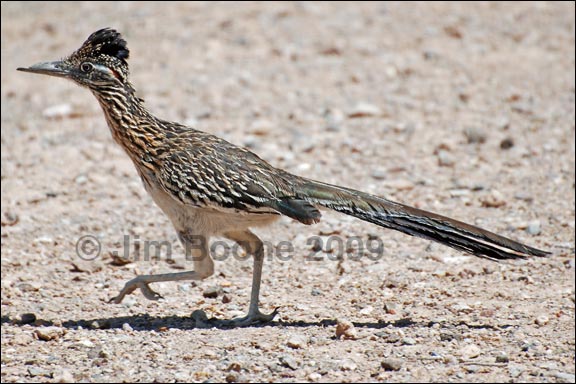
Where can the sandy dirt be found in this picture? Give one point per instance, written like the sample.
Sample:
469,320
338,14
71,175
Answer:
462,109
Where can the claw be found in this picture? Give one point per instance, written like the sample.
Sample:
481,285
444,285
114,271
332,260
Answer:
253,317
131,286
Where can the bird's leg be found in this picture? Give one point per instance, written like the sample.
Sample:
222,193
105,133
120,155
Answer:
252,245
203,268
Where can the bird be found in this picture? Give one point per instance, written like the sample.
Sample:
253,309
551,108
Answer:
210,187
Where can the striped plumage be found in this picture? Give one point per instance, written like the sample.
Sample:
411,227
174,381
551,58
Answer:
210,187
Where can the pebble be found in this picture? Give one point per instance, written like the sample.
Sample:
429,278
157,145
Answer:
334,118
235,366
345,329
211,292
470,351
515,371
49,333
565,377
316,292
226,299
314,376
475,135
502,357
261,127
391,308
533,227
126,327
391,364
408,341
289,362
364,110
379,174
9,218
65,376
507,143
542,320
200,317
445,159
447,336
348,365
472,368
296,342
37,371
58,111
27,318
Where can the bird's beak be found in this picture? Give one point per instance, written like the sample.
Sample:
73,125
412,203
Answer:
54,68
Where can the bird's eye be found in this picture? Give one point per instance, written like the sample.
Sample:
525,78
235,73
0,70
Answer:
86,67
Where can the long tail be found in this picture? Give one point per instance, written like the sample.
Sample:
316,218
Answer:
415,222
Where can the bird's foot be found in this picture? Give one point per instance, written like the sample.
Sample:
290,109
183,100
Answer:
253,317
131,286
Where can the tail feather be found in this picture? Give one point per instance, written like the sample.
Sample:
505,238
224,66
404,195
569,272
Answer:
416,222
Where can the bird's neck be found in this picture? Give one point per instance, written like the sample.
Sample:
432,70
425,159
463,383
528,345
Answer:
133,127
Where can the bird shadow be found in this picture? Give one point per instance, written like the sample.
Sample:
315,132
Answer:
146,322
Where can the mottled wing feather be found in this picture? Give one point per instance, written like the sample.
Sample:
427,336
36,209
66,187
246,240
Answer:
212,172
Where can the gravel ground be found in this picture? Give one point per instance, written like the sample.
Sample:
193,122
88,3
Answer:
462,109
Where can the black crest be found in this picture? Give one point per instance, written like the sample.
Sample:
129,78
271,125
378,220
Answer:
107,42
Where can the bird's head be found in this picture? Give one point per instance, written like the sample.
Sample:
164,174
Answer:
99,62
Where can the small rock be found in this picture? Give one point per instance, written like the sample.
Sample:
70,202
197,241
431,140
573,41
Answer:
296,342
211,292
289,362
366,310
65,376
49,333
565,377
475,135
507,143
37,371
27,318
445,159
199,316
542,320
81,179
348,365
345,329
447,336
391,308
59,111
494,200
232,377
314,376
533,227
316,292
334,118
408,341
391,364
502,357
184,287
126,327
515,371
378,174
86,343
364,110
472,368
235,366
470,351
226,299
9,218
261,127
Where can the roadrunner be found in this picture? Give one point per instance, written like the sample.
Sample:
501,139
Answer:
210,187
